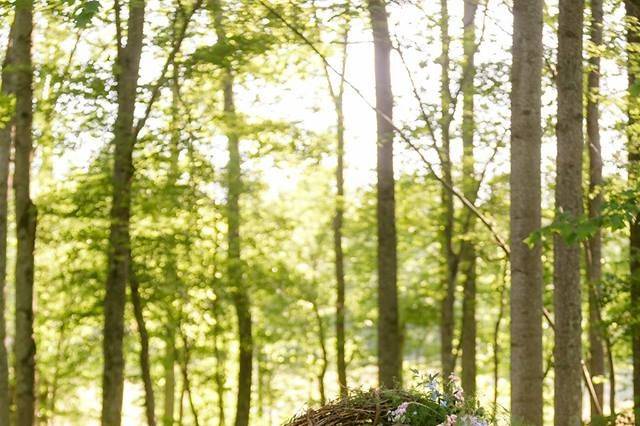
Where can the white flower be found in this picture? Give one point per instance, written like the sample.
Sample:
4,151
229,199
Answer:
468,420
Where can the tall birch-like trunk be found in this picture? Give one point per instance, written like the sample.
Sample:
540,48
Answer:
525,213
24,347
567,292
126,74
389,339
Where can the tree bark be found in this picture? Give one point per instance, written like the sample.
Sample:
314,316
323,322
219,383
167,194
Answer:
567,292
239,291
633,46
126,74
594,258
24,347
6,127
169,363
389,354
145,367
447,321
468,250
525,214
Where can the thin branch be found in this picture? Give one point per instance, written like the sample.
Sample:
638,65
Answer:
155,91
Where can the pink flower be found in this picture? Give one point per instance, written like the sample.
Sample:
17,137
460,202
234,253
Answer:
449,421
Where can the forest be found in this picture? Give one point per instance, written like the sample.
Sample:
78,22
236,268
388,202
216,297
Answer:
319,212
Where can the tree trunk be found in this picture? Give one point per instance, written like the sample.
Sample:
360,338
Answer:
469,327
169,362
169,359
126,73
389,355
496,344
338,97
24,346
240,295
525,212
6,126
324,360
594,261
219,375
567,292
239,292
339,258
186,357
447,321
145,367
633,44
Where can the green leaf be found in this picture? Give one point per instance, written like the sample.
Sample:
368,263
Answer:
85,13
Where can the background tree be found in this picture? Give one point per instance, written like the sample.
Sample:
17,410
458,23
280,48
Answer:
126,69
595,199
525,185
469,325
389,353
25,211
567,294
237,282
6,124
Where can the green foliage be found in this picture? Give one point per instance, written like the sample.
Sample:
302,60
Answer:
7,105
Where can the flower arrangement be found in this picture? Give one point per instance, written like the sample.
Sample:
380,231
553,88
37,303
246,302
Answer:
431,402
445,401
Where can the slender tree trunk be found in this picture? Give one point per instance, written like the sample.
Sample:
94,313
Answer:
6,126
24,347
594,263
339,257
186,357
260,390
469,327
567,292
169,362
633,44
496,344
169,359
183,391
127,68
220,377
324,361
240,295
447,321
338,97
525,212
389,355
145,367
238,287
